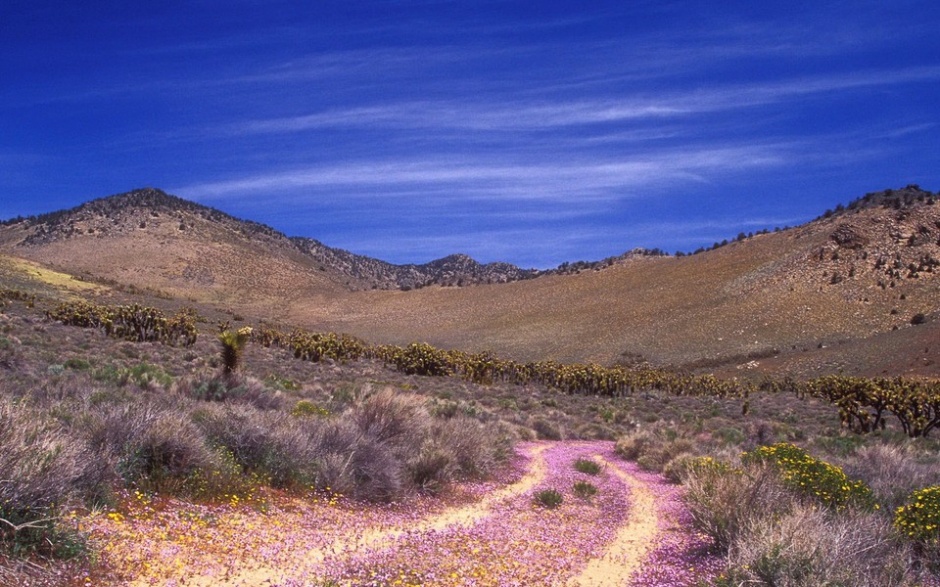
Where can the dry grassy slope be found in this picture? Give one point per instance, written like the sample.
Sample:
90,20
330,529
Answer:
207,262
771,292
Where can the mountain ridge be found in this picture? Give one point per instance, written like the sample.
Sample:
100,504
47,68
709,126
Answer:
362,272
861,281
113,212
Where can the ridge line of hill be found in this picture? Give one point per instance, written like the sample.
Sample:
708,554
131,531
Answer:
369,272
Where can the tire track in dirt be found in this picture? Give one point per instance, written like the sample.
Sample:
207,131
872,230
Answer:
466,515
633,541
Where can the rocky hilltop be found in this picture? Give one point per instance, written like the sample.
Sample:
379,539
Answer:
149,208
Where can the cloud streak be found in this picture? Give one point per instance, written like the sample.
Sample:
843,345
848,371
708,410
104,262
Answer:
502,116
482,179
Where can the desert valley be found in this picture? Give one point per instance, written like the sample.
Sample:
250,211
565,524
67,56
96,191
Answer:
188,398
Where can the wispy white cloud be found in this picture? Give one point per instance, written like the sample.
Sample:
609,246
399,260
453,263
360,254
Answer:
904,131
539,115
484,179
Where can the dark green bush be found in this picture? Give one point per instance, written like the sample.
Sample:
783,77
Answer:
233,347
584,490
587,466
548,498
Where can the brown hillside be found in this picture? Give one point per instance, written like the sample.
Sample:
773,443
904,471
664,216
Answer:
790,293
159,244
837,293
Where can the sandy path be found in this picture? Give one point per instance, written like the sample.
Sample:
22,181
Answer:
467,515
632,543
296,547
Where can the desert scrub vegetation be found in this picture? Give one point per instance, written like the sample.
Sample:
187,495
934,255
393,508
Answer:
654,447
78,436
784,517
548,498
587,466
134,323
919,520
812,477
164,420
862,403
44,468
584,489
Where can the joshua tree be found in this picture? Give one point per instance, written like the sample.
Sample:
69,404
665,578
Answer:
233,345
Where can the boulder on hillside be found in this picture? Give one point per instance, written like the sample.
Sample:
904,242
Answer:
848,236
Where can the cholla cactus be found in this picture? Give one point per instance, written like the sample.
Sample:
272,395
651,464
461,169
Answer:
233,345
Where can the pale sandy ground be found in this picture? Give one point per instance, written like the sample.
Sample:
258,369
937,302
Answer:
633,542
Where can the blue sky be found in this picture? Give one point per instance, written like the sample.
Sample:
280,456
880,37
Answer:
528,132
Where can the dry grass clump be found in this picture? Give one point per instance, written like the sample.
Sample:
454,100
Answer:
158,448
809,546
380,448
893,471
655,446
389,444
272,445
231,387
43,469
775,533
724,501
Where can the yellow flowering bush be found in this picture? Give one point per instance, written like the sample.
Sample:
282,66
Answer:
304,408
812,477
919,518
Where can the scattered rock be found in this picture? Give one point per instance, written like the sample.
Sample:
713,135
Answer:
848,236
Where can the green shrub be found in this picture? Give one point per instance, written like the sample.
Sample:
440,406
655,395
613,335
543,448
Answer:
133,323
279,383
146,376
214,389
730,436
584,490
813,478
587,466
420,359
548,498
77,364
919,518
